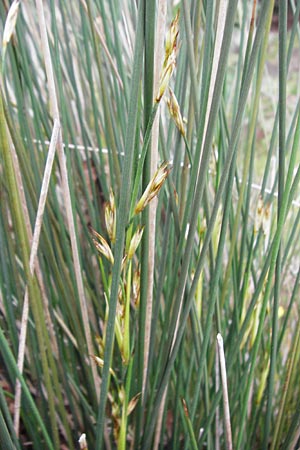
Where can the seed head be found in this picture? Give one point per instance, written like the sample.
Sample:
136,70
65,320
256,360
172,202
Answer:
136,286
132,404
175,111
170,58
153,187
135,240
110,217
171,37
165,76
259,215
102,246
185,408
100,363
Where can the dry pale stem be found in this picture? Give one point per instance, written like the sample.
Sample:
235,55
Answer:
228,433
66,188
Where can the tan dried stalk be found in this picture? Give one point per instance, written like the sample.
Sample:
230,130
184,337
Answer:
65,186
159,54
39,276
159,420
32,263
218,428
228,434
295,440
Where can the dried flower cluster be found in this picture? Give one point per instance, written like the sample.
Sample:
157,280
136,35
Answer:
175,113
170,57
153,187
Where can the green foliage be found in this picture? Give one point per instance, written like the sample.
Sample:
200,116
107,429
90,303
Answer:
159,225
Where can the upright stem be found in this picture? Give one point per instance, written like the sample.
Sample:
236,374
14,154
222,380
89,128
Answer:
32,262
19,223
66,189
281,176
161,19
122,219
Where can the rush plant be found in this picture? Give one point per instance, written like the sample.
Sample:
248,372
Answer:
149,225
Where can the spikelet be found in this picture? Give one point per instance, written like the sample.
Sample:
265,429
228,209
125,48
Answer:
170,58
135,240
175,113
102,246
110,217
153,187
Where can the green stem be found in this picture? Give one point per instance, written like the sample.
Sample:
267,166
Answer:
143,154
122,220
11,363
281,174
19,222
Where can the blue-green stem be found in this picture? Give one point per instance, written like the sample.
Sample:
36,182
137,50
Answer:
281,174
122,220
